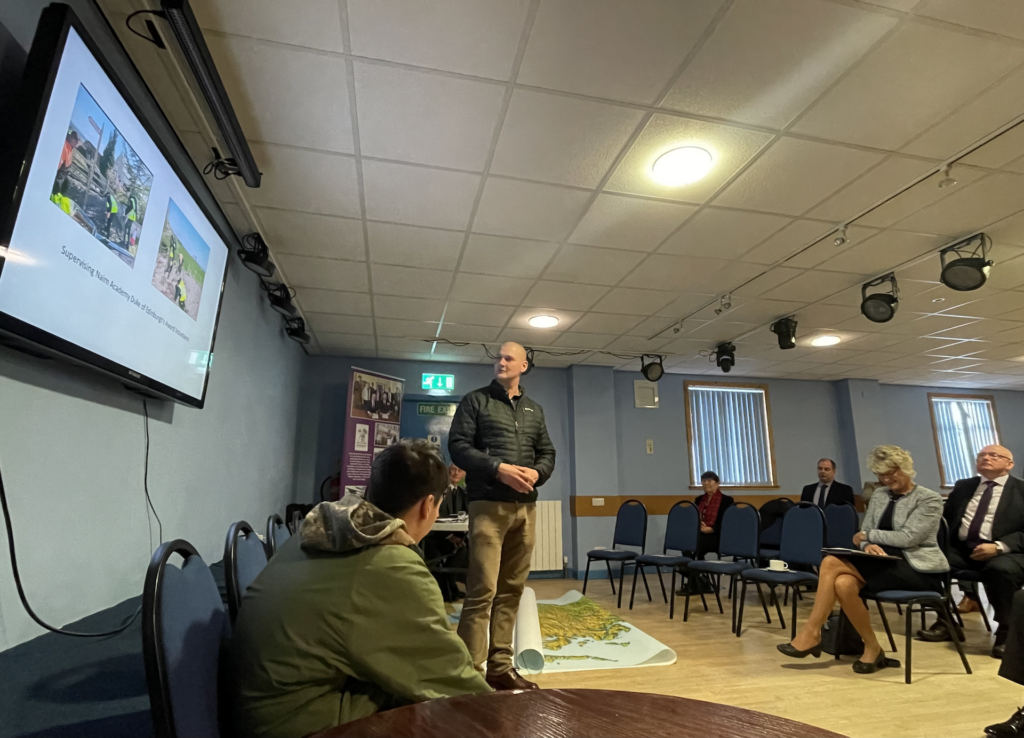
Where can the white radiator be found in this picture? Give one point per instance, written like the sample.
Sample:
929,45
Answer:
547,551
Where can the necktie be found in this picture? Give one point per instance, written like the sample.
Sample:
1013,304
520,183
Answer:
974,531
821,497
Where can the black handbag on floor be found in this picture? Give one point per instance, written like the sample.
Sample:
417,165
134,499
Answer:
838,633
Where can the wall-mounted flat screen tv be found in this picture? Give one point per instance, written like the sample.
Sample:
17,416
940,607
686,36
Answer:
107,257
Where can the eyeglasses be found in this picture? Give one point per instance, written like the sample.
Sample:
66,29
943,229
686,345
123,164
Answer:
991,455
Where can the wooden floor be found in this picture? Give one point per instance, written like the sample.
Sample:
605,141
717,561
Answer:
748,672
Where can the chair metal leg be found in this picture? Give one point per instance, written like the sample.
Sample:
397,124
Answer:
732,586
899,609
960,618
785,597
632,592
718,599
792,617
943,613
924,625
686,607
611,577
885,622
984,614
910,612
701,579
662,583
644,577
764,604
741,594
672,603
778,608
586,576
839,636
622,574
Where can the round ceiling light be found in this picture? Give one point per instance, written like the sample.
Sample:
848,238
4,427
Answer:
681,166
829,340
543,321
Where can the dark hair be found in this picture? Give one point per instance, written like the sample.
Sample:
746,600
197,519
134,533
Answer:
834,467
709,475
404,474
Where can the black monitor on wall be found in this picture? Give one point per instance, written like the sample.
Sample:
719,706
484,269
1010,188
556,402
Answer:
108,257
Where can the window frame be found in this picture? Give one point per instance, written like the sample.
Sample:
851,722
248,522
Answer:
935,428
694,483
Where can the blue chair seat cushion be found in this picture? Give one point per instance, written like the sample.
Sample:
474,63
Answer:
719,567
904,595
606,554
662,560
769,553
769,576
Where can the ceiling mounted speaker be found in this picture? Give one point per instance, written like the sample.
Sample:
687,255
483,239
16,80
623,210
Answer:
971,267
880,307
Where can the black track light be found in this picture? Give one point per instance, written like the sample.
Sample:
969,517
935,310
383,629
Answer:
785,329
296,330
971,268
652,370
256,256
281,299
725,356
880,307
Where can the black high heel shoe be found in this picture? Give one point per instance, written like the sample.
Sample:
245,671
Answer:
864,667
789,650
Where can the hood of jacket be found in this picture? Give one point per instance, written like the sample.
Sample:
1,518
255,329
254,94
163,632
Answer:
350,524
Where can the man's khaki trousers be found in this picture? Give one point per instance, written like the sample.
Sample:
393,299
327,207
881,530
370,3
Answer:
501,537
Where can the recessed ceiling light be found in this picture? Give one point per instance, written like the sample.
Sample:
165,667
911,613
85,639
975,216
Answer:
543,321
939,299
681,166
829,340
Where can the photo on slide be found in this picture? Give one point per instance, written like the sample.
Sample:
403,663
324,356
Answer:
181,262
101,183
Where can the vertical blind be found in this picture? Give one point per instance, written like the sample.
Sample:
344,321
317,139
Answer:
730,435
963,427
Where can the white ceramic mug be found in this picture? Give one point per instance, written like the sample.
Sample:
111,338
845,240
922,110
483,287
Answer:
778,565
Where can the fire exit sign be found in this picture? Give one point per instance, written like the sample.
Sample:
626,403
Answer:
439,382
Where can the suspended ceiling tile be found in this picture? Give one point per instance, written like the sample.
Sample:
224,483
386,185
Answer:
753,310
684,305
521,318
426,118
309,234
563,296
872,187
927,325
404,345
529,336
630,223
964,212
882,252
718,331
418,196
456,332
1008,231
796,235
1007,275
991,304
509,207
340,323
678,273
506,257
470,313
612,50
768,281
920,73
286,96
464,36
333,343
824,250
405,281
604,323
793,175
315,24
308,181
1000,151
414,246
653,326
637,343
811,286
497,290
722,233
589,265
982,329
407,308
331,301
823,316
730,149
919,196
327,274
761,67
405,328
572,340
628,301
1004,17
561,140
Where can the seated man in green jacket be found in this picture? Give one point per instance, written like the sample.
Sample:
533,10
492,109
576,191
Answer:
345,620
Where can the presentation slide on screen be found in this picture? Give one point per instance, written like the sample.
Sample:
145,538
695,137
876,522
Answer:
109,249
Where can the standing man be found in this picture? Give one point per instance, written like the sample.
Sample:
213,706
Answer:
985,515
499,437
130,218
111,208
827,491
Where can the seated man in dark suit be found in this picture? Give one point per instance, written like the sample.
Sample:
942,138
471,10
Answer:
985,515
1012,668
827,491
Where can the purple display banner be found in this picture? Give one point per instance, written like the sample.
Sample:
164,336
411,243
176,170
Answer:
373,417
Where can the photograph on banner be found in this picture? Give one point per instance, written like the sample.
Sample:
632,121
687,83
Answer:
376,398
386,434
355,489
362,437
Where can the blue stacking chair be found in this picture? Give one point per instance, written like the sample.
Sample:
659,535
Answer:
803,537
740,539
184,629
681,533
244,559
277,534
771,535
630,530
939,602
843,525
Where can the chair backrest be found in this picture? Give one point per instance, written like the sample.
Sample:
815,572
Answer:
842,525
741,532
803,535
184,628
244,559
771,512
683,527
277,533
631,525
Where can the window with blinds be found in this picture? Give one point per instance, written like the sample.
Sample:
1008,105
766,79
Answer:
728,427
963,425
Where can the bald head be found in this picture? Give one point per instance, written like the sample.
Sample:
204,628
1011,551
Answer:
994,461
510,365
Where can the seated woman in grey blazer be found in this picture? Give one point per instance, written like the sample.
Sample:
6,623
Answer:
902,520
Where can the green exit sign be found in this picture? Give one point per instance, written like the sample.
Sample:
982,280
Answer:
439,382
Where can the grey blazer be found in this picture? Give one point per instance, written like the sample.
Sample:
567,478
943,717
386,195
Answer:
915,523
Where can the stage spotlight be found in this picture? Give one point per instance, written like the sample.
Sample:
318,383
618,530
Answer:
256,256
652,370
724,304
969,270
725,356
296,330
880,307
785,329
281,299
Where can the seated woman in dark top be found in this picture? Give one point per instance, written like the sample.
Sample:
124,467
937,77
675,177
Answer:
902,520
712,506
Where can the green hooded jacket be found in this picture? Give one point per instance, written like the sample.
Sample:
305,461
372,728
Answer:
344,621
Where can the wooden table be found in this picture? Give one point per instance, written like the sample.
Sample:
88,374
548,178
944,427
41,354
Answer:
565,713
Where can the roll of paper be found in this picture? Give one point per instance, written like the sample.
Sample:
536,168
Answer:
527,645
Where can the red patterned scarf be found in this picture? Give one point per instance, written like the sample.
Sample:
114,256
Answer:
708,508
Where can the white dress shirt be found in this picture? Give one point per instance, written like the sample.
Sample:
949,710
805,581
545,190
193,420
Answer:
990,514
821,494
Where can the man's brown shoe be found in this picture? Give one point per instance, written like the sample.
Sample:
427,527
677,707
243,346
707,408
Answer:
509,680
967,605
